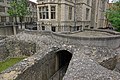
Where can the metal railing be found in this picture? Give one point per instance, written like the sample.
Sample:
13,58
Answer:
60,73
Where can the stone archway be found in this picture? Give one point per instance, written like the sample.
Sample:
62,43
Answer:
63,58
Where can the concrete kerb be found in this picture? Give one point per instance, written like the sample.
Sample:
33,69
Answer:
107,31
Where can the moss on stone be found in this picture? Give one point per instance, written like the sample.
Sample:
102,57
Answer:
8,63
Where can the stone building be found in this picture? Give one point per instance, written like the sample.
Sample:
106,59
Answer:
6,27
70,15
5,20
31,19
55,15
98,19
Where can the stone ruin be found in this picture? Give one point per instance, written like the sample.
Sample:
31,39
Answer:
93,58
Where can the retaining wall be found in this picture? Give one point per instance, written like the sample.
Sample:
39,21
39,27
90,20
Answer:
2,37
41,65
14,48
109,41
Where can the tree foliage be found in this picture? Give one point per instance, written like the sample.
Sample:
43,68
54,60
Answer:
12,11
18,8
113,15
22,9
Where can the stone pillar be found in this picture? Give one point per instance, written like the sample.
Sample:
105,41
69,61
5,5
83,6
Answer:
14,29
38,26
49,8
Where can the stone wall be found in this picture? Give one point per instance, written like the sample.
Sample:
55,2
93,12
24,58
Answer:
14,48
110,41
2,37
42,69
6,30
85,63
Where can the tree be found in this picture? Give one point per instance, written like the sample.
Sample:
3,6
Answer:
22,9
18,8
113,15
12,11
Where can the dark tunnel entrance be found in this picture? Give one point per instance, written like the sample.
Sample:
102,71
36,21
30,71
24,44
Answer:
52,66
63,58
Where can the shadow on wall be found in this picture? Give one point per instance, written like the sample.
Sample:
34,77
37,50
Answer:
52,66
63,58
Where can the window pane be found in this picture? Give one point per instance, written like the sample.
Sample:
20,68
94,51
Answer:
44,12
52,15
46,9
1,0
40,9
43,15
87,13
53,12
43,27
53,28
43,8
10,19
70,13
2,9
47,15
40,15
52,8
3,19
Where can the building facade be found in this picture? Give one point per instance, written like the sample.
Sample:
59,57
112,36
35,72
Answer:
6,26
5,20
83,13
31,19
70,15
98,18
55,15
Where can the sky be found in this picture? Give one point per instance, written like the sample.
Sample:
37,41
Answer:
110,0
36,0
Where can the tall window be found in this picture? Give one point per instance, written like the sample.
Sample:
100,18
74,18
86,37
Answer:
88,2
87,13
8,1
3,19
53,12
43,27
87,26
53,28
70,13
43,11
1,0
2,9
10,19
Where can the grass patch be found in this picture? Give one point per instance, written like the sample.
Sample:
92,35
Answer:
8,63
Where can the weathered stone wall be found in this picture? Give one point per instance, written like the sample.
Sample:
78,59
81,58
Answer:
110,41
2,37
6,30
15,48
85,63
42,69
